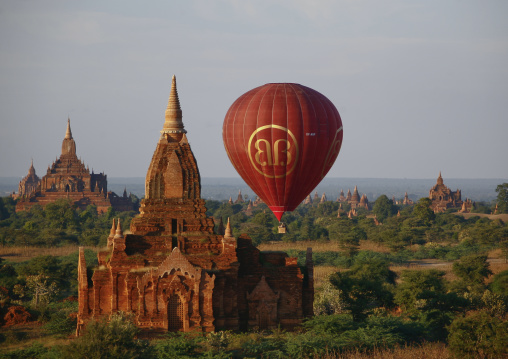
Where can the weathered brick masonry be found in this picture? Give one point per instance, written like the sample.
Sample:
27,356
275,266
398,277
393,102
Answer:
174,273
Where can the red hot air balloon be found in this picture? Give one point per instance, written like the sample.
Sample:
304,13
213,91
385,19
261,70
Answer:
282,139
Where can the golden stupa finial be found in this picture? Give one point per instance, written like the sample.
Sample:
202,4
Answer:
119,232
68,133
227,232
173,122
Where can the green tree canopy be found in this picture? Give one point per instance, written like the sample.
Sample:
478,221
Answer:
502,198
365,286
473,269
384,208
422,210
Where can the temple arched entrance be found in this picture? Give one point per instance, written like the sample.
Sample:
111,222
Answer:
175,313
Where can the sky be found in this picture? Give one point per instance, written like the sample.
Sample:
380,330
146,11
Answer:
421,86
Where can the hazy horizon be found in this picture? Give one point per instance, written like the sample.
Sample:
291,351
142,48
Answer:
222,188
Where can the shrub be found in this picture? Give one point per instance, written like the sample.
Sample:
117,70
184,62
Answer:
478,336
103,340
61,324
177,345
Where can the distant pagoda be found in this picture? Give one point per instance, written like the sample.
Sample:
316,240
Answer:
68,178
444,198
28,185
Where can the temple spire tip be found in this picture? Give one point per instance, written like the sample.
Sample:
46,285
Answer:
68,133
173,120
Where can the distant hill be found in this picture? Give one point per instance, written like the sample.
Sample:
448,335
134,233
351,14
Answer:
223,188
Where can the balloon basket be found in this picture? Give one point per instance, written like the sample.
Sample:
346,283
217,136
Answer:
282,228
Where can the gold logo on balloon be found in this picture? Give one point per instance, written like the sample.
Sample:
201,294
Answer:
333,152
273,151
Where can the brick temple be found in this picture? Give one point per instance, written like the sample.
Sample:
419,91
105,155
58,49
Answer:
444,198
68,178
174,272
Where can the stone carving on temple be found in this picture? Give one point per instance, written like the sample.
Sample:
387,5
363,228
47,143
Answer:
444,198
174,273
68,178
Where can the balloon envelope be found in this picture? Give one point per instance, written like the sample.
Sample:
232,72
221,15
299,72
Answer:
282,139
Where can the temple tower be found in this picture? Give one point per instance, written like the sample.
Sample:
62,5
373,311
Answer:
174,273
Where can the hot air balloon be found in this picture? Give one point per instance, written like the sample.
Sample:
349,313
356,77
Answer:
282,138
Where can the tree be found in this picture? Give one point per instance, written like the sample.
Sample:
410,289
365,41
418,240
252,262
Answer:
347,234
479,336
502,198
473,269
499,284
365,286
384,208
422,211
423,295
328,300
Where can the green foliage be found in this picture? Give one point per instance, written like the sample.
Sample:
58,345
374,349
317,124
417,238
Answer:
103,340
35,350
178,345
499,284
478,336
367,285
347,234
331,324
327,300
218,341
472,270
60,223
422,211
384,208
421,290
7,207
61,323
423,295
502,198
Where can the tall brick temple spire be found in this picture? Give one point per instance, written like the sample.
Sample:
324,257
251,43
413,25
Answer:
68,144
173,123
173,172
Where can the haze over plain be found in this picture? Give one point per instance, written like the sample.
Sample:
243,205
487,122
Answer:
421,86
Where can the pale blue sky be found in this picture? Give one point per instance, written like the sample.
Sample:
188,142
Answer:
421,86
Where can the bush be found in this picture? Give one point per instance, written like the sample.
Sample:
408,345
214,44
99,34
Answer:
61,324
478,336
499,284
178,345
103,340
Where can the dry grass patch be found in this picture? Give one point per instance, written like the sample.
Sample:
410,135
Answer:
424,351
329,246
503,216
373,246
321,274
21,254
425,265
301,246
24,335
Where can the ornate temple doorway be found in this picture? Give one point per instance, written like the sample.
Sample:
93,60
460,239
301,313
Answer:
175,313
